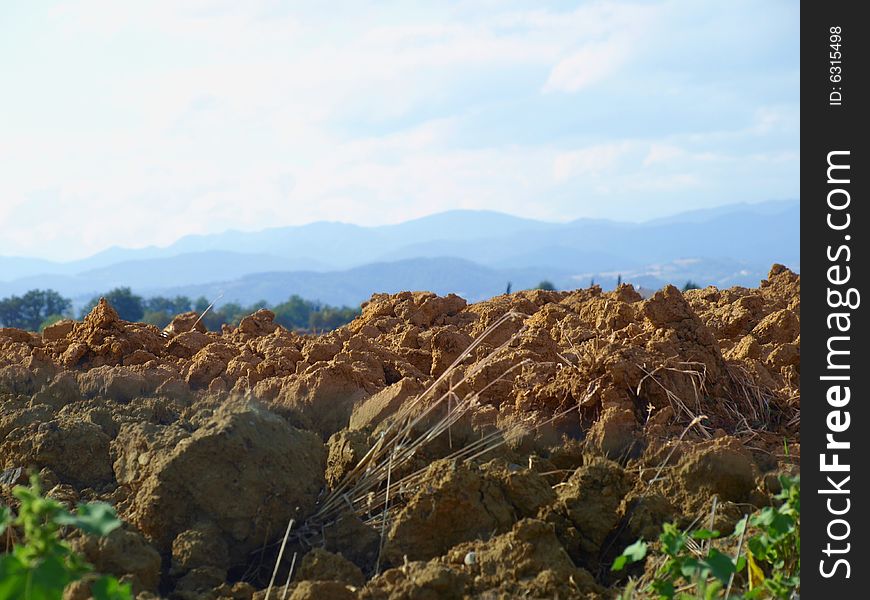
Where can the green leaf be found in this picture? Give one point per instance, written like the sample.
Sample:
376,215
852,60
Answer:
763,518
705,534
720,565
741,526
672,539
781,524
619,563
13,577
5,518
713,590
755,594
109,588
632,554
24,494
664,588
96,518
788,484
49,579
689,568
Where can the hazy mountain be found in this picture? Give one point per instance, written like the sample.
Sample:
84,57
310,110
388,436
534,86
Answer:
315,246
743,234
772,207
157,273
353,286
13,267
470,280
473,252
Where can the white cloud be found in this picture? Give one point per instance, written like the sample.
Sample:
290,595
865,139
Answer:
662,153
591,64
150,121
593,160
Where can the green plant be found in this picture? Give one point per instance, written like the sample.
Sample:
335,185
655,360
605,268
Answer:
700,571
682,566
775,550
43,565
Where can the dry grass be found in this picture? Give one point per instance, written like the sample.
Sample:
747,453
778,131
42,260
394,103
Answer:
697,373
370,490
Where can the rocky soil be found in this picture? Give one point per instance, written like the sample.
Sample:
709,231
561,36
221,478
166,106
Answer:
209,444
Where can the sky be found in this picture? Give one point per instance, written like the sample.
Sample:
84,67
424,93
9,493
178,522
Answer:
136,123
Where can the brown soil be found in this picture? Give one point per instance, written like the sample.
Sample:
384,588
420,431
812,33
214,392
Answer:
209,444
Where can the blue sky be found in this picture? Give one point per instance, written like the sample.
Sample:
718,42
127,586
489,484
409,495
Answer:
135,123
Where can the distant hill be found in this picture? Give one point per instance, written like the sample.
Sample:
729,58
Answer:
444,275
155,273
743,234
471,252
353,286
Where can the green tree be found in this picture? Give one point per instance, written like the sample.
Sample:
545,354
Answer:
31,309
10,312
231,313
128,305
300,314
200,304
546,285
294,313
158,318
691,285
160,310
328,318
170,306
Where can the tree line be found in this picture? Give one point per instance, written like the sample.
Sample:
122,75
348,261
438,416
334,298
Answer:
37,309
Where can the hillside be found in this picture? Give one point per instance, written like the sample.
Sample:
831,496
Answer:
474,253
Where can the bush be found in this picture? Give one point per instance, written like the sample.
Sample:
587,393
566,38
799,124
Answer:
43,565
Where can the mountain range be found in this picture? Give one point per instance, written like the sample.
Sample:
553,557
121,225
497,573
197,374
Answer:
473,253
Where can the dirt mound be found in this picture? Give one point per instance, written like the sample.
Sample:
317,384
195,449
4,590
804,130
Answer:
591,418
586,509
244,471
125,554
460,503
104,339
323,565
722,354
527,561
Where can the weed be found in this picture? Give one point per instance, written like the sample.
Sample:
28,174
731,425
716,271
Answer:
43,565
770,569
775,551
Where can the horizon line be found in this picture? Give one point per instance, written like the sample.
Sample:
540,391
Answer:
399,223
